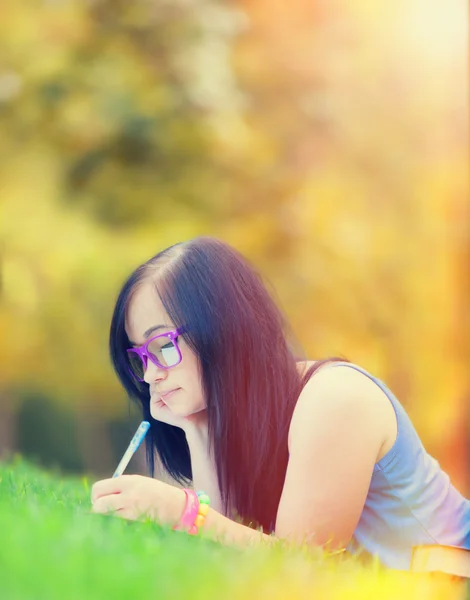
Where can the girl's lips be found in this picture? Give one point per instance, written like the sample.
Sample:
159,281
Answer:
167,395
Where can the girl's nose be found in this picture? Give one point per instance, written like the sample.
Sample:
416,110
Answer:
153,373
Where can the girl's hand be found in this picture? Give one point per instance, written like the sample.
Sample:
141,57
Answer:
196,422
161,412
137,497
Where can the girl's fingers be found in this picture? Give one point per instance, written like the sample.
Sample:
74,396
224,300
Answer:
114,485
107,504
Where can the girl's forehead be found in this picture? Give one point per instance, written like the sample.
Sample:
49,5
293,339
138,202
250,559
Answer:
145,310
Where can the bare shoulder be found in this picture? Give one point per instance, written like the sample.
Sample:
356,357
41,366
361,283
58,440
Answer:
344,394
336,436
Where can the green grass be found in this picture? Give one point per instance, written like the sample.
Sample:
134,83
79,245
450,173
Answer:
54,548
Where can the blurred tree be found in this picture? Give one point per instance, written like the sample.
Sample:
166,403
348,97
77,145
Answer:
321,139
109,123
373,144
125,94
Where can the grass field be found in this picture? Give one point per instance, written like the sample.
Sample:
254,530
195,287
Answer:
54,548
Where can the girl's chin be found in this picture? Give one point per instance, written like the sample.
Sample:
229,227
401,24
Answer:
157,408
158,403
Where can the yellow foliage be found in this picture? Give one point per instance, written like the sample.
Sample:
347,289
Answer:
338,167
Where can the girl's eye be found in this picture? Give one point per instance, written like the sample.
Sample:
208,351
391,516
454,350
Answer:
170,344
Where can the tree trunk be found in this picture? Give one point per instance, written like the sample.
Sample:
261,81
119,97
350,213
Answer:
94,444
8,423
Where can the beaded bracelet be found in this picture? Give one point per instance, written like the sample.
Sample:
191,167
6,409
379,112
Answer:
203,509
195,511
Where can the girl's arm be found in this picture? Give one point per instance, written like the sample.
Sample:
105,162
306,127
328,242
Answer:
335,437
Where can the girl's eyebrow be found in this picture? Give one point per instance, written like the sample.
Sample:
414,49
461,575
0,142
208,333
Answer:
151,330
155,328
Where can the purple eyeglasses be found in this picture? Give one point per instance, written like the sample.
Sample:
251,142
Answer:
162,350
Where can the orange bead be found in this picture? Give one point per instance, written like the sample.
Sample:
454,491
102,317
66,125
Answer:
203,509
199,522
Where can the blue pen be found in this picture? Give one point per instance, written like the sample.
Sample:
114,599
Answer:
132,448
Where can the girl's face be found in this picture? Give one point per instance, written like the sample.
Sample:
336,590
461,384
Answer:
146,317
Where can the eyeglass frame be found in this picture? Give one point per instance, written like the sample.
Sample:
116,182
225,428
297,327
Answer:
143,353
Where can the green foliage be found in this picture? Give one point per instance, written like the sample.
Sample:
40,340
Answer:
46,433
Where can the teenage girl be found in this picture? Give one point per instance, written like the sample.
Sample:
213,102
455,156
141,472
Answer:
317,452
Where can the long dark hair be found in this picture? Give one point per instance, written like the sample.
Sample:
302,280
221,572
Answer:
248,368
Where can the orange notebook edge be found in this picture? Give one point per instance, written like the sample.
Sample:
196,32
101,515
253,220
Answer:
453,560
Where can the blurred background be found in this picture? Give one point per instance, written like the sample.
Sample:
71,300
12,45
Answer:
327,140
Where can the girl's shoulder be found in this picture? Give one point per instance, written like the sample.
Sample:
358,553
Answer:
354,388
345,380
